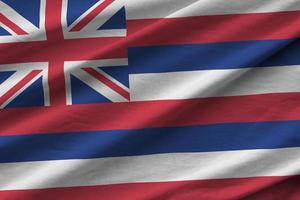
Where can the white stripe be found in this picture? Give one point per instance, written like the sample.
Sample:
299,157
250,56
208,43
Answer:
214,83
95,33
143,9
152,168
42,16
73,65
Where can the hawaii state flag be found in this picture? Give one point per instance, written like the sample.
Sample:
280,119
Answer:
149,99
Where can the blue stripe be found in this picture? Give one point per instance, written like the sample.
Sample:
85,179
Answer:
229,55
99,144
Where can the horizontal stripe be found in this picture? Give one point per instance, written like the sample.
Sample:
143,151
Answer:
66,50
213,83
229,55
258,188
84,145
220,28
153,168
142,9
137,115
158,58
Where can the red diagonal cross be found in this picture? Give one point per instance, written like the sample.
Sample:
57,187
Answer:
56,50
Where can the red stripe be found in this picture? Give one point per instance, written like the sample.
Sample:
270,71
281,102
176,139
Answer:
53,21
108,82
220,28
68,50
18,86
56,81
89,17
56,78
15,28
136,115
203,29
259,188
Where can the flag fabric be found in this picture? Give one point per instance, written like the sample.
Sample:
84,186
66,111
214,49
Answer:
149,99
